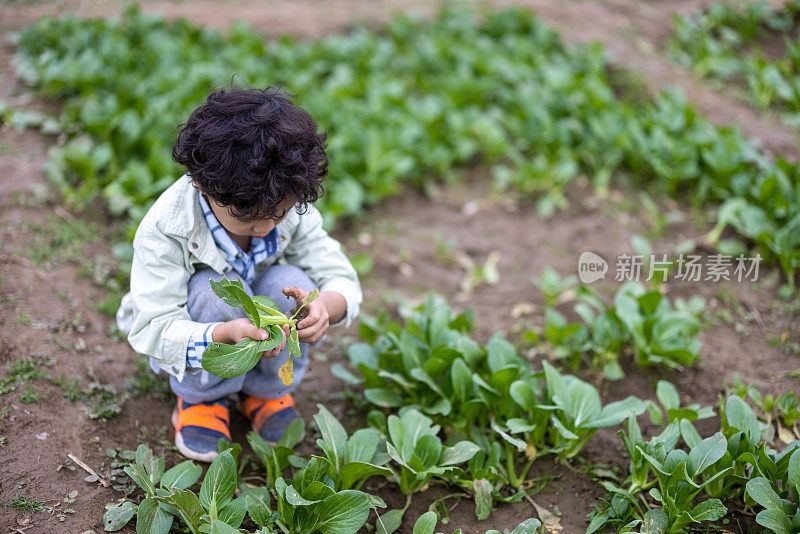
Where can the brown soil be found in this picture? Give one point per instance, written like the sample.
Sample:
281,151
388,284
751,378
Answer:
40,298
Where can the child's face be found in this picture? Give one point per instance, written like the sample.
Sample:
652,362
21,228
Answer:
253,228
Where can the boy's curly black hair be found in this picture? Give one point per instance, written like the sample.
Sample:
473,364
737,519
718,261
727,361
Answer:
251,149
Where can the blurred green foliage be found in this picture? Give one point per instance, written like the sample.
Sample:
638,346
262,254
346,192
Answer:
406,105
749,42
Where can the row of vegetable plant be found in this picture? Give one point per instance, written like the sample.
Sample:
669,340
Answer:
639,322
736,41
669,490
316,498
418,99
447,409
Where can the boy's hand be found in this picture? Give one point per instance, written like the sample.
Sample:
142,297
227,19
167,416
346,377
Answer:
234,331
320,312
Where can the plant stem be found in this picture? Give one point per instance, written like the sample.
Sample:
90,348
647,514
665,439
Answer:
525,470
511,468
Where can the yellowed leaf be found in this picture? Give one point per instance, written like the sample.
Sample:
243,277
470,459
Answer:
286,372
550,520
784,434
522,308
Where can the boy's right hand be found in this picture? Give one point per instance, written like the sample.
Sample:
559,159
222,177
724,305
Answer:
234,331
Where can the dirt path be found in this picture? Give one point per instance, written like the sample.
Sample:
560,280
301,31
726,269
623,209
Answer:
48,299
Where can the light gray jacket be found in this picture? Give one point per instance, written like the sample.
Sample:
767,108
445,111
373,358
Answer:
173,241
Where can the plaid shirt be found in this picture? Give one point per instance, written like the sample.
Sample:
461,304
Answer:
244,263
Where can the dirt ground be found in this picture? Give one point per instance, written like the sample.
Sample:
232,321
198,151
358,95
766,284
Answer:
53,265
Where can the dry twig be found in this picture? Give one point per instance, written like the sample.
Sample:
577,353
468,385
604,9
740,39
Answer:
88,470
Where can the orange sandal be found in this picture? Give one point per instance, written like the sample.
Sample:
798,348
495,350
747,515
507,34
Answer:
198,428
270,417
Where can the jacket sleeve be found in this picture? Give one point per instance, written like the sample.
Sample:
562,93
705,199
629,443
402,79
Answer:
321,257
162,327
197,346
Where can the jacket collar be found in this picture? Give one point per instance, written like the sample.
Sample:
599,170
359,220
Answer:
184,211
186,220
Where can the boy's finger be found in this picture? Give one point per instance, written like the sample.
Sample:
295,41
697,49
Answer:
309,333
312,318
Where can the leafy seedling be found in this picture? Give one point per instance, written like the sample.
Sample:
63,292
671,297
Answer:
415,446
227,361
310,504
351,461
148,472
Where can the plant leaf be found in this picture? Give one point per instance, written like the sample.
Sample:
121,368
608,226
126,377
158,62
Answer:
483,498
118,516
775,520
151,518
182,475
425,524
187,504
527,526
268,306
667,395
228,361
706,453
458,453
353,472
294,342
362,445
342,513
258,506
709,510
233,513
286,372
385,398
334,437
390,521
760,490
219,484
220,527
138,475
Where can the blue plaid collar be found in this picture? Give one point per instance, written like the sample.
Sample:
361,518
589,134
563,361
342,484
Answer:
242,262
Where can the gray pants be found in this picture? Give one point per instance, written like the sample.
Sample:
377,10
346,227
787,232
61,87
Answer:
206,307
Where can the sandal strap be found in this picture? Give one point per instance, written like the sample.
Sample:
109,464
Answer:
259,410
214,416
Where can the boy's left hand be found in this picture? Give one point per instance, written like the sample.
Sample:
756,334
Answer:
315,324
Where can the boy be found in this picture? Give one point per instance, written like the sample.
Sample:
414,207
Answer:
255,166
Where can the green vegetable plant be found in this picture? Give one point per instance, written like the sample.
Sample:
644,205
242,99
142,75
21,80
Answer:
725,42
306,503
214,509
276,458
148,472
783,409
487,394
580,411
625,504
780,513
224,360
426,524
541,115
350,461
679,481
640,322
309,503
692,483
415,446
